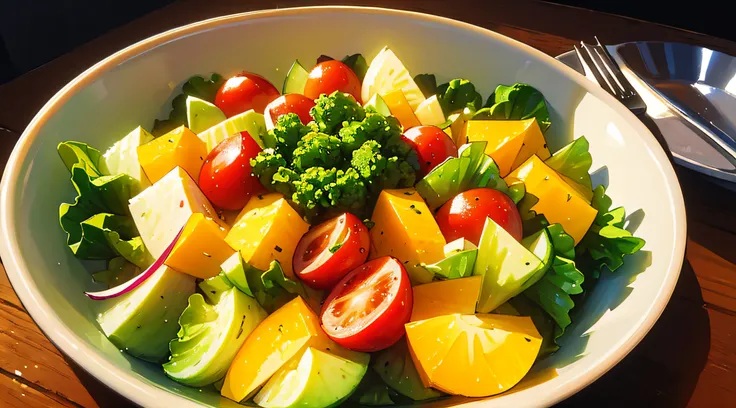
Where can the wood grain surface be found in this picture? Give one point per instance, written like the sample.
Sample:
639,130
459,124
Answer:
689,357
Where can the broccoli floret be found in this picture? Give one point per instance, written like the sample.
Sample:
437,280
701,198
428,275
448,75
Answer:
310,188
352,136
285,136
266,164
368,161
399,174
283,181
329,112
317,150
348,191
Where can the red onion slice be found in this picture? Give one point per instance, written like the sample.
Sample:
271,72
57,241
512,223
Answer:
139,279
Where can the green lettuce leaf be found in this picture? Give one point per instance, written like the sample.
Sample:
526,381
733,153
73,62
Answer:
471,169
98,224
273,289
553,292
118,271
516,102
458,94
427,83
574,161
517,190
607,242
196,86
357,63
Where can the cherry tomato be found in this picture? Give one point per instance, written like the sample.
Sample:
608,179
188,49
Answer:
330,250
243,92
290,103
226,178
432,145
465,215
367,309
330,76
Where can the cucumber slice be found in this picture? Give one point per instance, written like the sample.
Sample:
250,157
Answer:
295,79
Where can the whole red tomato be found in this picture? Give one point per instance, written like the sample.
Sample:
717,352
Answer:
244,92
330,76
465,214
367,309
432,144
330,250
226,178
289,103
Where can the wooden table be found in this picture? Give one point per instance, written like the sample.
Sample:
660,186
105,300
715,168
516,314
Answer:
689,357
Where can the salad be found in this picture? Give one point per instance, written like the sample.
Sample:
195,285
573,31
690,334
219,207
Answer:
360,237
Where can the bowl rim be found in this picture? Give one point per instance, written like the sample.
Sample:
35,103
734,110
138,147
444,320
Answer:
123,382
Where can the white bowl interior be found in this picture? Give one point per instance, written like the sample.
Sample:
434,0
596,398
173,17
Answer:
131,90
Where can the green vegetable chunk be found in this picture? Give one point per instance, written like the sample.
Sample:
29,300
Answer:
427,83
552,293
457,95
574,161
98,223
357,63
396,368
210,336
516,102
471,169
196,86
118,271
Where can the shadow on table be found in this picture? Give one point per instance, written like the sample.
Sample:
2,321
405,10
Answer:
663,370
104,396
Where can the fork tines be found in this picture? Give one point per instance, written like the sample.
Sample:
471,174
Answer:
598,61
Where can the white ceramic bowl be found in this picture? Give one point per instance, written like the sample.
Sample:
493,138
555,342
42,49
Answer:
135,85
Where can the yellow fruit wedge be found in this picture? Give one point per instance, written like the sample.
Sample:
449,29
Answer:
400,108
534,142
446,297
473,355
561,200
504,139
405,229
276,340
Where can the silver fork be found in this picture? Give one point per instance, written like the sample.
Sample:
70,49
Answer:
598,61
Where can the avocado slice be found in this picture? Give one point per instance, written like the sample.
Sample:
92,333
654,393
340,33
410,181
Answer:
202,115
460,256
506,265
296,79
396,368
313,379
210,336
377,103
248,121
143,321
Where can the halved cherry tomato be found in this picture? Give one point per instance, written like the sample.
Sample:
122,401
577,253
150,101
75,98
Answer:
432,145
367,309
465,214
243,92
226,178
289,103
330,250
330,76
